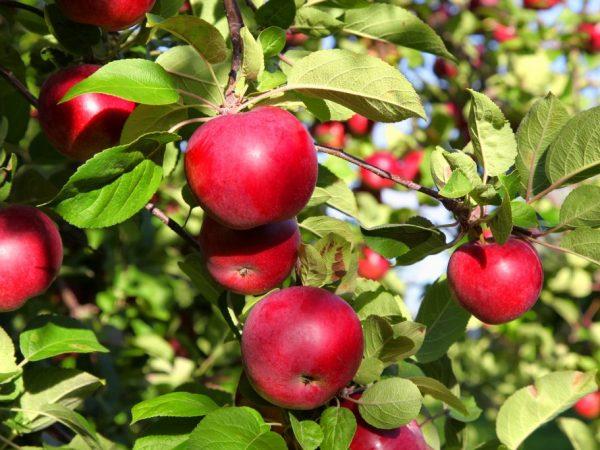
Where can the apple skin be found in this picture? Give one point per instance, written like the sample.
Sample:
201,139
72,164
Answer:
253,168
250,262
589,406
332,134
359,125
540,4
372,265
445,69
496,283
86,124
410,165
367,437
31,254
592,32
384,160
504,33
295,39
301,346
112,15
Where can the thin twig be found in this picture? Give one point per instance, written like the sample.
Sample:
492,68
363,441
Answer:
23,6
174,226
236,22
251,5
285,59
563,250
9,443
184,123
76,309
12,79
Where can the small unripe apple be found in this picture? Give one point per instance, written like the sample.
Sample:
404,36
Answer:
410,165
332,134
250,262
301,346
367,437
445,69
591,31
383,160
496,283
112,15
250,169
540,4
359,125
295,39
31,254
503,33
86,124
589,406
372,265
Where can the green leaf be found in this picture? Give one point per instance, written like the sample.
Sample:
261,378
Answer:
396,25
581,208
75,37
473,411
175,404
8,362
200,34
493,139
339,426
502,221
340,196
313,268
575,155
253,62
444,319
321,226
272,41
523,214
584,242
363,83
137,80
279,13
166,433
579,434
167,8
537,131
381,343
149,118
532,406
48,335
74,421
429,386
195,268
316,22
390,403
458,185
235,428
369,371
308,433
115,184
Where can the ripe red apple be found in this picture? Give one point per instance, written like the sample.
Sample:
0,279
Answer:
86,124
359,125
301,346
540,4
589,406
410,164
252,168
445,69
295,39
496,283
475,4
372,265
112,15
504,33
383,160
31,254
367,437
250,262
331,133
591,31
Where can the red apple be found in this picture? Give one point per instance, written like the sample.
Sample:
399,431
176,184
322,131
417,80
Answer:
31,254
496,283
332,134
367,437
540,4
295,39
112,15
475,4
440,16
589,406
86,124
445,69
504,33
252,168
383,160
359,125
591,31
372,265
410,164
301,346
250,261
455,112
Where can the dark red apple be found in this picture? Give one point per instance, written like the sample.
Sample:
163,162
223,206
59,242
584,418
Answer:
496,283
301,346
112,15
332,134
540,4
383,160
359,125
250,262
86,124
476,4
444,68
504,33
591,31
589,406
295,39
31,254
367,437
410,165
253,168
372,265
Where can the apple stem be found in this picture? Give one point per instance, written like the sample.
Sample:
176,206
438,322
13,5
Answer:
236,23
23,6
12,79
174,226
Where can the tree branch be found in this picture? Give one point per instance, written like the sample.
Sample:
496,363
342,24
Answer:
236,22
174,226
12,79
23,6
